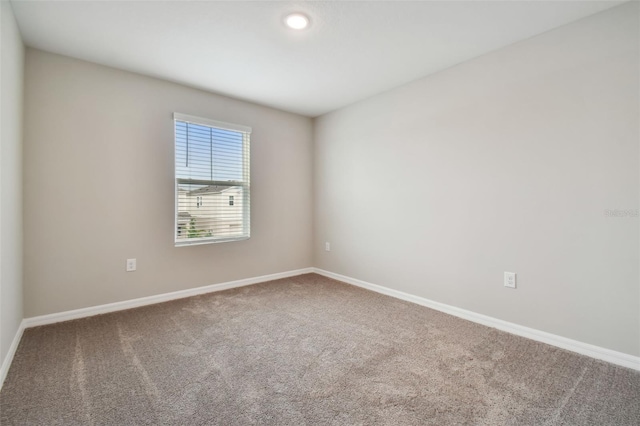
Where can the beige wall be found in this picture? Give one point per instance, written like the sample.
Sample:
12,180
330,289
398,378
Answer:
11,89
504,163
99,187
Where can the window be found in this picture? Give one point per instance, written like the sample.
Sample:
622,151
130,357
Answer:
212,181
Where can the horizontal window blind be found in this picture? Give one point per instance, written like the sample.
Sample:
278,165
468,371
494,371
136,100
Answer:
212,181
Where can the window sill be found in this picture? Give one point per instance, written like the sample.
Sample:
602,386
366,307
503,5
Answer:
203,241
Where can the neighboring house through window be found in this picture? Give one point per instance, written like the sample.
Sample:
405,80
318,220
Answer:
212,181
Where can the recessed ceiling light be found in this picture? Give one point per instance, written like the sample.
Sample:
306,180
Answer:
297,21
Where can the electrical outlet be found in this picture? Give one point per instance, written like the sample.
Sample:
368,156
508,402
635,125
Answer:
327,246
510,279
131,265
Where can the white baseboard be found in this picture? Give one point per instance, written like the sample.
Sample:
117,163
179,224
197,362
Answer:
593,351
12,351
128,304
159,298
614,357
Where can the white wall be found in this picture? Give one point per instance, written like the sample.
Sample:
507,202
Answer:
503,163
11,90
99,187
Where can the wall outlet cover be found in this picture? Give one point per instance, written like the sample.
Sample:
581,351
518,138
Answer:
510,279
131,265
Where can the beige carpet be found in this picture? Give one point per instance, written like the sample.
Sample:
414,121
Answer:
303,351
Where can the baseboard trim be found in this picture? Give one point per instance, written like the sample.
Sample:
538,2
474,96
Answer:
593,351
159,298
614,357
8,359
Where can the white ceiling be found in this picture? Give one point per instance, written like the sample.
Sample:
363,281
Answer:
352,50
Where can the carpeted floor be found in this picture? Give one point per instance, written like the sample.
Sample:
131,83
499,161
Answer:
305,350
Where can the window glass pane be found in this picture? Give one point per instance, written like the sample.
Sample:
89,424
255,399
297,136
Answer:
204,211
206,153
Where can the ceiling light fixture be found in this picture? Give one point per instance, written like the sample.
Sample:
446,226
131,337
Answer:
297,21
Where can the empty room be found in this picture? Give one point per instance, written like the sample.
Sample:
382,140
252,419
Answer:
319,212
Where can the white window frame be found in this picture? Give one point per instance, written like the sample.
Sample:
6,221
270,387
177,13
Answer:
245,183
